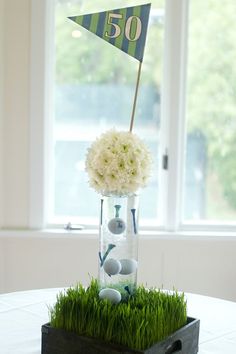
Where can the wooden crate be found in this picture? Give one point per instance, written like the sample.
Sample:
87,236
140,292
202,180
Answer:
59,341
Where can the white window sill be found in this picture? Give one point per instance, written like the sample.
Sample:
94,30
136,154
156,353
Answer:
93,234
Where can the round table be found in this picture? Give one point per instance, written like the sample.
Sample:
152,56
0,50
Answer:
23,313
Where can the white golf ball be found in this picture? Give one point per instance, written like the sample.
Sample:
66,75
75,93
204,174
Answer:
128,266
116,226
112,266
110,294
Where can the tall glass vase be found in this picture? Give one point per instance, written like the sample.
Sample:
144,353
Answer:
118,246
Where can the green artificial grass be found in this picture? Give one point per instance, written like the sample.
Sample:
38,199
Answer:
145,318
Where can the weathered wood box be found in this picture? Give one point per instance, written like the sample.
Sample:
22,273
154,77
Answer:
58,341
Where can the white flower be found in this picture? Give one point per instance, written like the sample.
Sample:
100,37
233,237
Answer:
118,163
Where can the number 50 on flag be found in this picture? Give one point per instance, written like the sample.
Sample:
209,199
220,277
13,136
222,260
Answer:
124,28
132,21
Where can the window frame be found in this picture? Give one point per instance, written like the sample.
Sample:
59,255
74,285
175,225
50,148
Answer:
173,107
2,107
41,74
172,112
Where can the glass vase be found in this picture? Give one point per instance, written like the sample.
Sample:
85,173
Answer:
118,246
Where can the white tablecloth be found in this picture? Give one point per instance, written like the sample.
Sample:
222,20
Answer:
23,313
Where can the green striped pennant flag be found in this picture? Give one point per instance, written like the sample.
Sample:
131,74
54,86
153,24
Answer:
125,28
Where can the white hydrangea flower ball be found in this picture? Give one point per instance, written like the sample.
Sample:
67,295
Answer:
118,163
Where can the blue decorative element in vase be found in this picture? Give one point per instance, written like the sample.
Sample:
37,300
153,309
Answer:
117,207
101,215
109,248
134,221
127,289
116,225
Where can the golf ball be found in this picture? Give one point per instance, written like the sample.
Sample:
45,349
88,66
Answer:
112,266
128,266
116,226
110,294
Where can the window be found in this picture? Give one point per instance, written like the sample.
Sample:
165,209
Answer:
210,177
94,87
186,111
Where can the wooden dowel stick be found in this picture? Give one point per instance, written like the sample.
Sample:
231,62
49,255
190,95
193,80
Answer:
135,97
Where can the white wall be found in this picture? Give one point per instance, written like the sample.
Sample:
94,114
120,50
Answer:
32,260
16,116
41,263
2,92
199,266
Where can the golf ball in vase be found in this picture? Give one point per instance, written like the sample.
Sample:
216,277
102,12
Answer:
112,266
116,226
128,266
